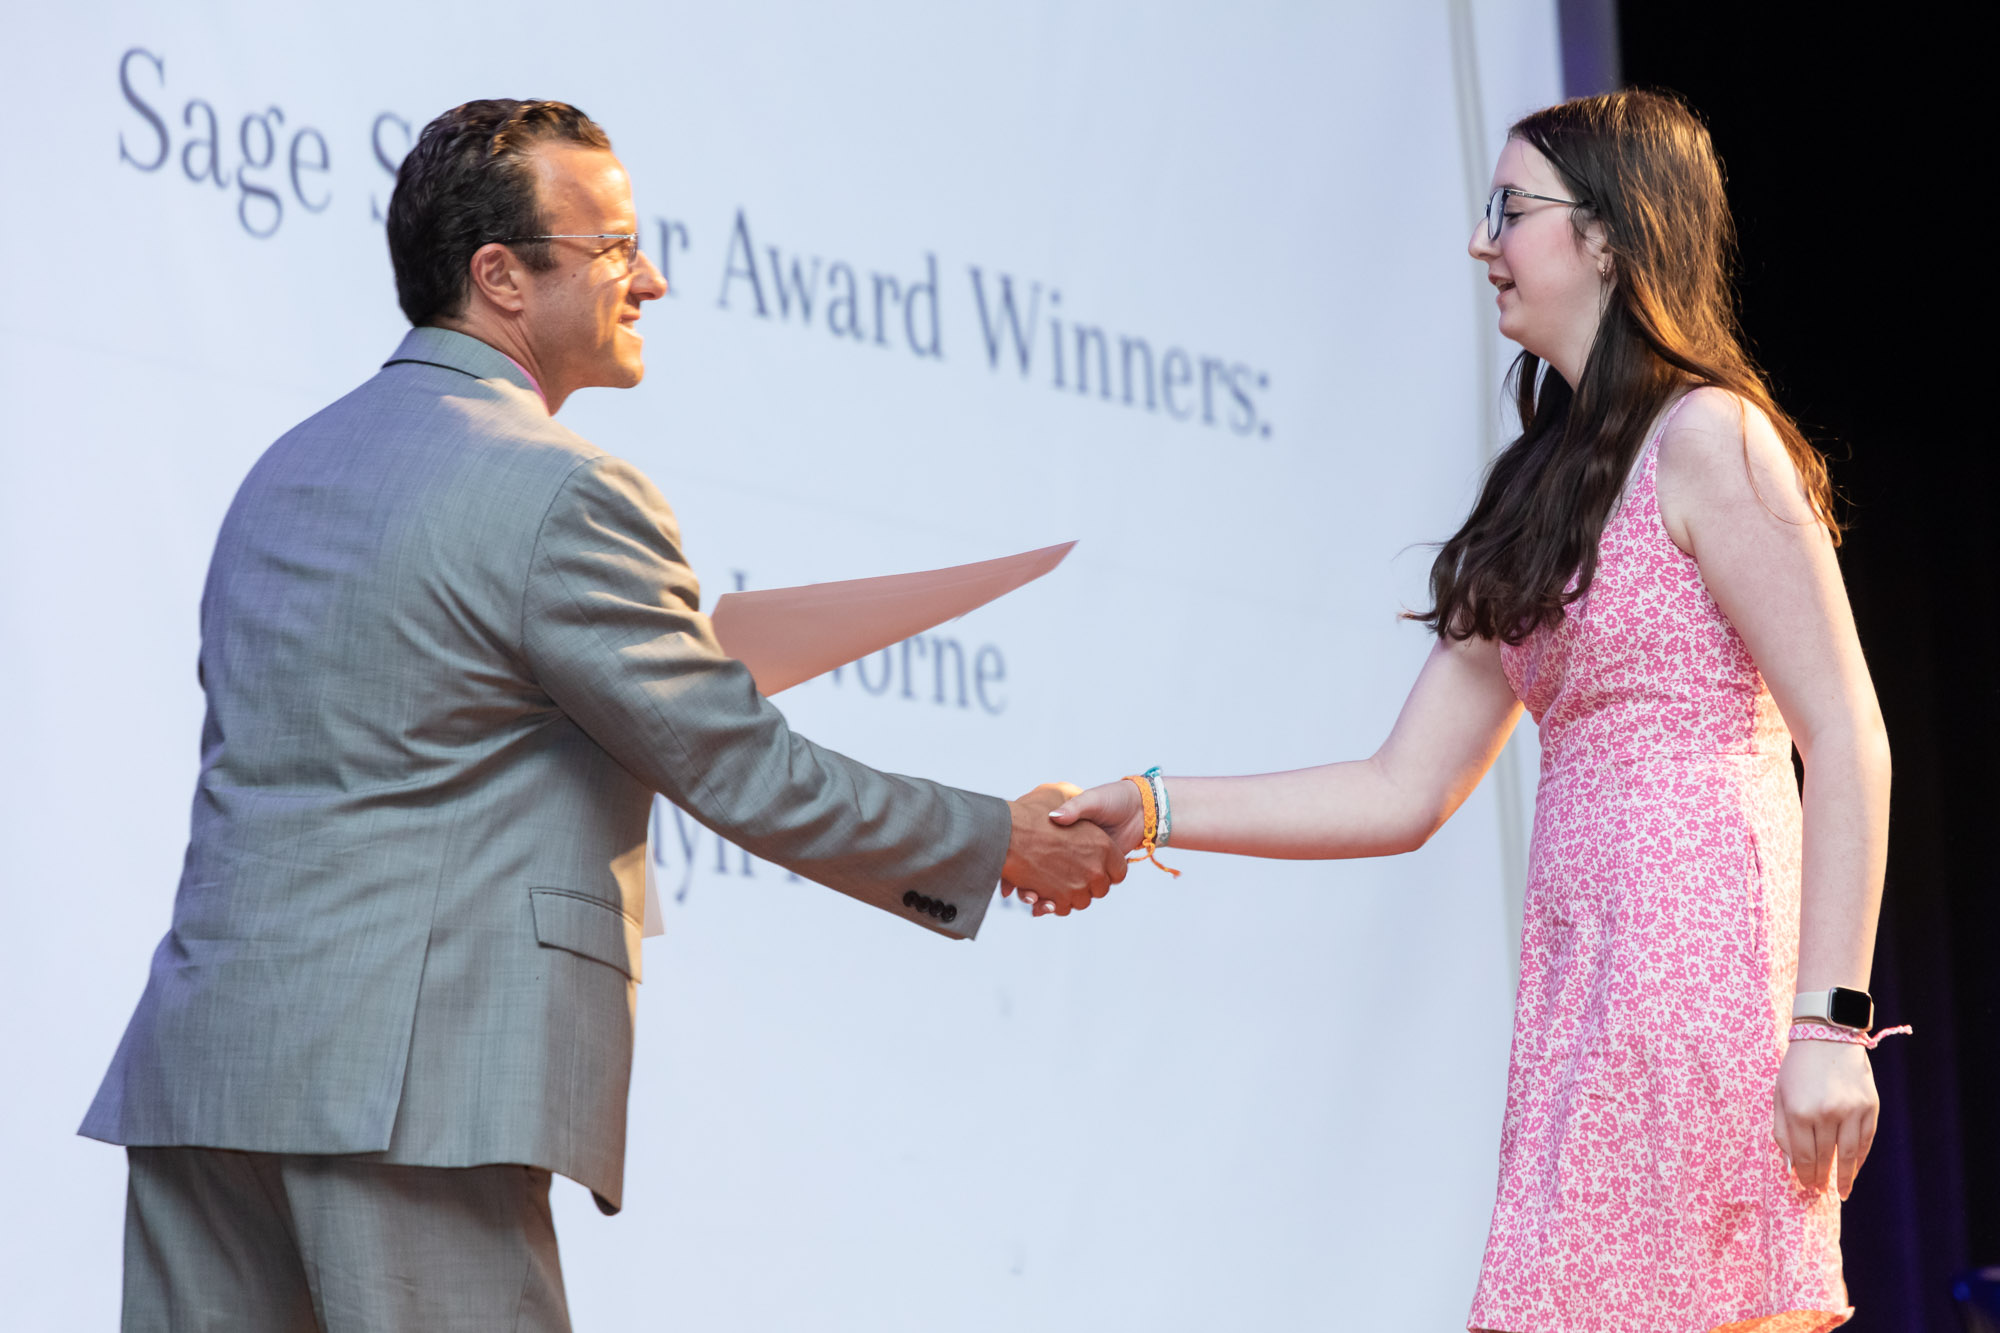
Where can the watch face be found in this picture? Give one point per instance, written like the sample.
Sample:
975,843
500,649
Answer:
1850,1008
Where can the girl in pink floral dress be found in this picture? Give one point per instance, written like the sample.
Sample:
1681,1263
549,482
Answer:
1649,569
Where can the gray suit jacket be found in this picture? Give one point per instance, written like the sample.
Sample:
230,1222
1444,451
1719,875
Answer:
450,650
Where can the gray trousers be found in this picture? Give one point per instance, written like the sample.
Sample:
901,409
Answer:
235,1242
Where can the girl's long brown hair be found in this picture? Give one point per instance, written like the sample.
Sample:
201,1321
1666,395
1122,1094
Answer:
1645,169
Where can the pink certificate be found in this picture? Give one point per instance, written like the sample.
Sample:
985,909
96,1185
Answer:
789,635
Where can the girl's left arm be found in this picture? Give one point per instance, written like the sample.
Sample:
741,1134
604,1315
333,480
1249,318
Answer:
1731,498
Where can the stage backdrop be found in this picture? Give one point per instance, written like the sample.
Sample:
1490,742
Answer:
1186,283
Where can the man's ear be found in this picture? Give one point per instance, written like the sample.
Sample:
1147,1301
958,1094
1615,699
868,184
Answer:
498,277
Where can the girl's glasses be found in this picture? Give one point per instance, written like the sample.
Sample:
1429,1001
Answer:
1496,207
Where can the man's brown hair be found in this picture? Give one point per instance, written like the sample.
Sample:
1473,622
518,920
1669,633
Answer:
469,181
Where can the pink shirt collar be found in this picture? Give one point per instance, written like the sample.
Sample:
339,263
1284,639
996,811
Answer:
533,383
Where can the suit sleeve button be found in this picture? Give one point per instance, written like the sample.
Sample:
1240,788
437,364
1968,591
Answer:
910,898
950,913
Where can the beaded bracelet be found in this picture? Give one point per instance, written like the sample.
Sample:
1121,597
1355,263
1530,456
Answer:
1150,839
1850,1036
1166,820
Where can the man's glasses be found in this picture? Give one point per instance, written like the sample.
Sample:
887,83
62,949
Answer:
626,252
1496,207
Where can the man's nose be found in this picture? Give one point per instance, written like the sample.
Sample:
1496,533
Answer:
648,283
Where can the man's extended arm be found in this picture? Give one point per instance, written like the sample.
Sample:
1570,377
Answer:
611,631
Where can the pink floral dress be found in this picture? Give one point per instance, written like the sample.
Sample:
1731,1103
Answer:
1640,1190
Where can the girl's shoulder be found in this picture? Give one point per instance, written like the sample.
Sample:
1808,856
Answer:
1720,451
1713,432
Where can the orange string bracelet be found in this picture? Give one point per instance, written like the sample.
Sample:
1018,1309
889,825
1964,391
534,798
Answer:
1152,823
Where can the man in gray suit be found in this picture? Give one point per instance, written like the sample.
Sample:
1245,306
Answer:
450,650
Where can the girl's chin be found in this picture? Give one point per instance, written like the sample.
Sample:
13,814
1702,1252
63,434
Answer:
1514,329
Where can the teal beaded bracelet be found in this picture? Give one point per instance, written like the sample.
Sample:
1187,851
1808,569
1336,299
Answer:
1165,820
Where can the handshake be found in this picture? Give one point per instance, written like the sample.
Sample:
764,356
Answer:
1070,846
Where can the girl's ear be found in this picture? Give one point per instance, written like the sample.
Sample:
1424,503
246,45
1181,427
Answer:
1596,244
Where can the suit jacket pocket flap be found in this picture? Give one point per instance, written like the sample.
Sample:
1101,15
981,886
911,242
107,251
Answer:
588,926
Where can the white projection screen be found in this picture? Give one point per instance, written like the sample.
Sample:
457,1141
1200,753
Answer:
1186,283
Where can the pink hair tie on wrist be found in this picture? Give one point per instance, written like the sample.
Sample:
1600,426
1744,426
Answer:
1850,1036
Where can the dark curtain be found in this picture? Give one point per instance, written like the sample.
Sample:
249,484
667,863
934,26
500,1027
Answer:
1855,140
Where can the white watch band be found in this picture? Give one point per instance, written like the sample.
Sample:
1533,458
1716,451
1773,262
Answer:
1841,1006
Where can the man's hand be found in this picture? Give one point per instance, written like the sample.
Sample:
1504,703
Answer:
1057,869
1823,1115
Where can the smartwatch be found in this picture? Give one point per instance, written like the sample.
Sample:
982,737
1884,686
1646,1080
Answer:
1841,1006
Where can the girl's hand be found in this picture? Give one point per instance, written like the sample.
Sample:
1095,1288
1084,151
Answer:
1823,1115
1115,807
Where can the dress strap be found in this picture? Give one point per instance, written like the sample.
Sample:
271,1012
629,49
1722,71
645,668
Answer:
1641,477
1646,465
1660,432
